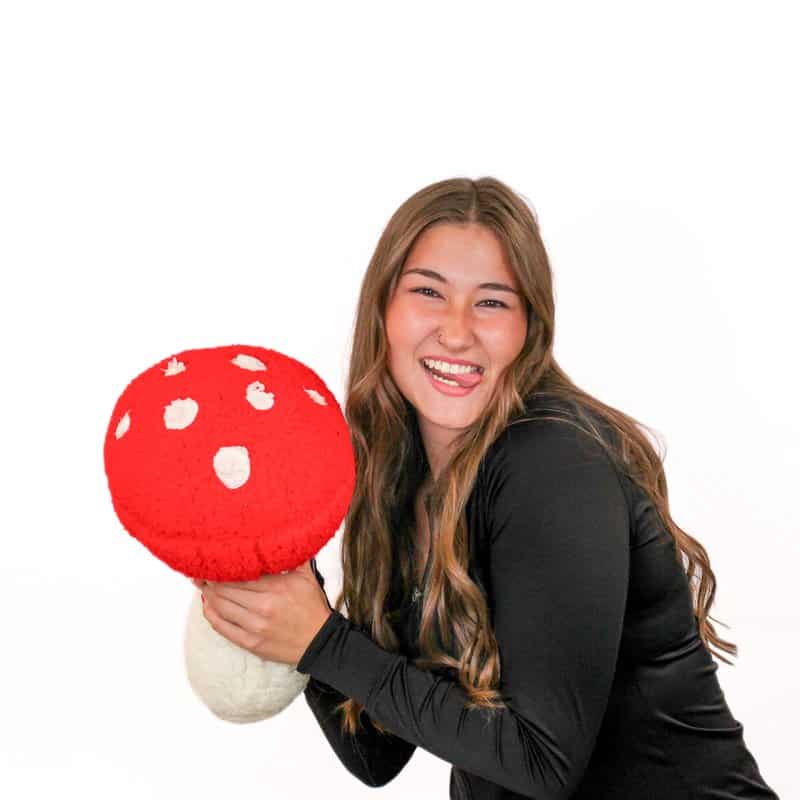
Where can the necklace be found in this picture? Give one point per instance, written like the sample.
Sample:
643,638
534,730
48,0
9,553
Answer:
422,517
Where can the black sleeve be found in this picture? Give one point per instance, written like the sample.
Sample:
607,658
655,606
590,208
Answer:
558,528
374,758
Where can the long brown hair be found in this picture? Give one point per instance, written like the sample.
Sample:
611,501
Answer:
388,453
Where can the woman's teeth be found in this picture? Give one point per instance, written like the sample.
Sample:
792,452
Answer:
444,380
454,369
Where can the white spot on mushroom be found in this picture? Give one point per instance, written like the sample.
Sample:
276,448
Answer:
123,425
174,367
258,398
180,414
248,362
232,466
315,396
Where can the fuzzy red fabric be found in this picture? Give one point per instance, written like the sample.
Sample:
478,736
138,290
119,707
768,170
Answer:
229,462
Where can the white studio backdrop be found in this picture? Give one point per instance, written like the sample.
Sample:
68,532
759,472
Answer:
180,175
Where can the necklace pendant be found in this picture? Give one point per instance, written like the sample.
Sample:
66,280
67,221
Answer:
415,594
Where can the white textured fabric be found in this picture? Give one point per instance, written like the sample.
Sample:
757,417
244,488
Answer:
234,684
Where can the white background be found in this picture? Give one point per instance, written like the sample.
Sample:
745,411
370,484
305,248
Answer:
178,175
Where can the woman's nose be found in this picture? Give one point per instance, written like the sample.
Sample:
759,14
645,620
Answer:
456,328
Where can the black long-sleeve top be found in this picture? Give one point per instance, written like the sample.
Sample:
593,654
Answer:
610,691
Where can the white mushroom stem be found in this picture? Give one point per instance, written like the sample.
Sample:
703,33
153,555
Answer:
234,684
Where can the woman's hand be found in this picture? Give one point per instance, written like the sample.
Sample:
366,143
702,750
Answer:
274,617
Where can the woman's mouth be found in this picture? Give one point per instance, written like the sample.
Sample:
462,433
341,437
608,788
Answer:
453,385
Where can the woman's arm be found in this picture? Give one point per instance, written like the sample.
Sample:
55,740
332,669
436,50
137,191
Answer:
558,528
373,758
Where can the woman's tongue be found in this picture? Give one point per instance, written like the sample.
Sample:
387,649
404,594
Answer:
465,379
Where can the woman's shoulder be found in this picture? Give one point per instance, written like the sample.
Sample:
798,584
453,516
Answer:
552,437
551,426
553,449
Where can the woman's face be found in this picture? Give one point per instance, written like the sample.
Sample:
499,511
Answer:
452,318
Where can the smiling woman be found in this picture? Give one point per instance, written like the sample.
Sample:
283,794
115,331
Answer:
476,317
517,602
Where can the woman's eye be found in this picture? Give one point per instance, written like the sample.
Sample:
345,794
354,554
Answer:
421,289
500,303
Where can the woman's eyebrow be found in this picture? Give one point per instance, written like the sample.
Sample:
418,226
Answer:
429,273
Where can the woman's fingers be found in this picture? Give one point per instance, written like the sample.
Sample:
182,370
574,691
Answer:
230,630
237,614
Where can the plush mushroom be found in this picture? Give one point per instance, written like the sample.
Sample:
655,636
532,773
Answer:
229,463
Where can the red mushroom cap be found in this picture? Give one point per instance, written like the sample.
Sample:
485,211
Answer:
229,462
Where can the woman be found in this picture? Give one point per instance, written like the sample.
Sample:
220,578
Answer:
517,599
